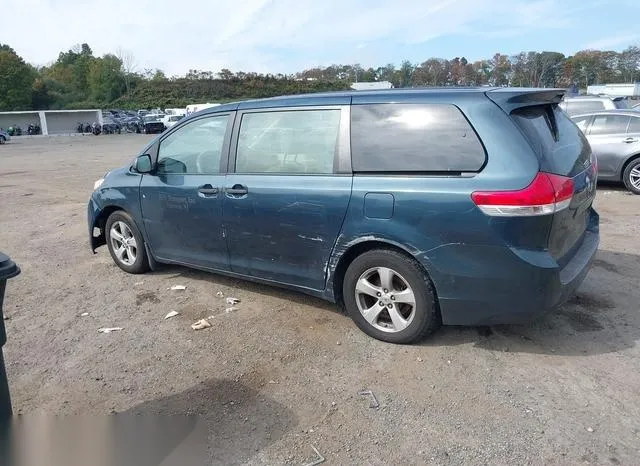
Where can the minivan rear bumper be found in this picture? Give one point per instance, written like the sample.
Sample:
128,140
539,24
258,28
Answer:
504,293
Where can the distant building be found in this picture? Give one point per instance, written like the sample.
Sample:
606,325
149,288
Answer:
370,86
615,90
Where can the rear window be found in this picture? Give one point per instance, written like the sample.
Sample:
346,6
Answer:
559,144
413,138
622,103
576,107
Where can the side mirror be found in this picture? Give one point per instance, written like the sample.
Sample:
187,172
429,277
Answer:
143,164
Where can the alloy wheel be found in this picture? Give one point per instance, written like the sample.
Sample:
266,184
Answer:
385,299
123,243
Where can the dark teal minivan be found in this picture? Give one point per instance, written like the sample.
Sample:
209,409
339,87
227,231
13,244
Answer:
409,208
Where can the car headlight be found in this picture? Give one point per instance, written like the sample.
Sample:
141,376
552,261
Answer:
98,183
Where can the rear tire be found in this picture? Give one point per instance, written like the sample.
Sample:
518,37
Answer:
631,176
125,243
2,140
390,297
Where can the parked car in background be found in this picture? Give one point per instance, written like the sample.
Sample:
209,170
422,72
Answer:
170,120
614,137
110,125
4,136
409,207
580,105
152,123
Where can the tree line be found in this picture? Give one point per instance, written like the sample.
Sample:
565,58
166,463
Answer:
79,79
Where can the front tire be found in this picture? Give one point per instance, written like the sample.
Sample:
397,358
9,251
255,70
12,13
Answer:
390,297
631,176
125,243
2,140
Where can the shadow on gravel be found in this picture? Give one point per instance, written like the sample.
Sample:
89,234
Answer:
218,421
216,281
602,317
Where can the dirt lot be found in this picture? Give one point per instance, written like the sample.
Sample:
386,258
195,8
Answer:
284,372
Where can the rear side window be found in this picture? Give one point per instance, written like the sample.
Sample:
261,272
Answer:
634,125
561,147
296,141
413,138
609,124
576,107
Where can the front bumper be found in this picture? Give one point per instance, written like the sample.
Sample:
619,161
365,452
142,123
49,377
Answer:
93,217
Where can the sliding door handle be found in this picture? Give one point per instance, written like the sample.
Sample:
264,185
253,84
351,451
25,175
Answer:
206,190
236,190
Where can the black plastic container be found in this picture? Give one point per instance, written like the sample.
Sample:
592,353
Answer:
8,269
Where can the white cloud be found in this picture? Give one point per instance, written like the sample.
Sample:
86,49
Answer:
613,41
257,35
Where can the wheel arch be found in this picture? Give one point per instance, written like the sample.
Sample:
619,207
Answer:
626,164
355,250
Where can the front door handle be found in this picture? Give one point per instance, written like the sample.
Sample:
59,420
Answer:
630,140
206,190
236,190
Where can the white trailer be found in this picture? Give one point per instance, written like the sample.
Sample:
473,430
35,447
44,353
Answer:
197,107
615,90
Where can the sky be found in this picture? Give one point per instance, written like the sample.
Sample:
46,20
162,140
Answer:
285,36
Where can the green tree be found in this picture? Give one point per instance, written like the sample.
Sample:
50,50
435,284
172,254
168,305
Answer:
629,64
500,70
404,73
16,80
106,80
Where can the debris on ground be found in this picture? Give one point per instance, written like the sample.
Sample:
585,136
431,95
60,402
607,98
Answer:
419,359
374,401
232,301
272,382
220,294
5,317
171,314
320,459
84,314
230,309
590,429
177,288
109,329
138,283
202,323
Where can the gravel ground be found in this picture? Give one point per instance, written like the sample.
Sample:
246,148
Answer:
283,373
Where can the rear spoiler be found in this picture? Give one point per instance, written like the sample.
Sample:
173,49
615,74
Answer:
512,98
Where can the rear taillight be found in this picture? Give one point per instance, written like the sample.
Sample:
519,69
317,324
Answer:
594,164
547,193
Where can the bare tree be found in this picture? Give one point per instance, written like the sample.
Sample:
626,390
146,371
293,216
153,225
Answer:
129,66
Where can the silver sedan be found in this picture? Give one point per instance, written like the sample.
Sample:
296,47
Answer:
614,136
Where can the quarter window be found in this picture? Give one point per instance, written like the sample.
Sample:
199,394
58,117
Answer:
413,138
582,122
195,148
296,141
